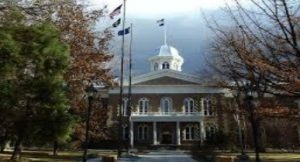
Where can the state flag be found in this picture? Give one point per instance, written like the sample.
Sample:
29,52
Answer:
124,32
115,12
117,23
161,22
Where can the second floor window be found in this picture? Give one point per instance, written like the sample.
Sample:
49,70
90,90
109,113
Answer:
166,105
189,105
207,107
143,106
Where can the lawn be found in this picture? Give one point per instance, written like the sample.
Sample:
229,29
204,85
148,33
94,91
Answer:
63,156
272,157
280,157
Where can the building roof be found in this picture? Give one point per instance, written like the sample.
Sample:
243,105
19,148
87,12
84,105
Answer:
166,50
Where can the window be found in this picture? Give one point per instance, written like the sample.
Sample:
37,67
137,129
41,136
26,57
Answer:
165,65
210,131
125,106
190,132
166,105
125,132
207,107
143,132
189,105
143,105
155,66
240,134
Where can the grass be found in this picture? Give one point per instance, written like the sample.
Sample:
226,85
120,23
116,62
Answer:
46,156
271,157
71,156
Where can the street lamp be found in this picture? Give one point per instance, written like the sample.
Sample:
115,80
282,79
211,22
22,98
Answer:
91,92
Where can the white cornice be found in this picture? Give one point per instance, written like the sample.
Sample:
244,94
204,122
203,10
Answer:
171,89
164,73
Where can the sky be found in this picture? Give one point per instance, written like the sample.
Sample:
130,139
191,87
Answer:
166,8
186,29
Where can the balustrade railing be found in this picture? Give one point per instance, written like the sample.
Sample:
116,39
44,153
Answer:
166,113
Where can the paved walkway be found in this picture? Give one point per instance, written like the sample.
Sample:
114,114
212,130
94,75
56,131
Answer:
160,156
95,160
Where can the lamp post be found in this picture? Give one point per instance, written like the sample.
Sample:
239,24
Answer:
91,91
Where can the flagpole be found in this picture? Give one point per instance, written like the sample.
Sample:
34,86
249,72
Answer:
165,32
129,87
121,84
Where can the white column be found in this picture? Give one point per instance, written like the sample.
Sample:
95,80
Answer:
131,134
202,131
154,134
178,133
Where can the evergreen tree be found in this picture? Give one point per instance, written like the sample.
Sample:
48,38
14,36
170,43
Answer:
33,62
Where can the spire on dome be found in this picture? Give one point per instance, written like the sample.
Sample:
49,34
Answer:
168,57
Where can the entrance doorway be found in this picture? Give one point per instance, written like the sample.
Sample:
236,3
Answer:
166,138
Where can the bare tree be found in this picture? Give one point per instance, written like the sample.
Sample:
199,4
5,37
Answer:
258,54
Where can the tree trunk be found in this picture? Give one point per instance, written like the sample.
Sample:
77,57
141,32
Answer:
17,149
254,125
55,148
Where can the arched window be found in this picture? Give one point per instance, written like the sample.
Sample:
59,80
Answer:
210,131
143,132
207,106
143,105
189,106
166,105
155,66
165,65
125,132
190,132
125,106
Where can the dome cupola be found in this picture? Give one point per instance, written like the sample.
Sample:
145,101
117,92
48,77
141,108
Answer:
168,58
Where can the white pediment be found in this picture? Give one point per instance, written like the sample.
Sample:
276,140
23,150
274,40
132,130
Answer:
165,74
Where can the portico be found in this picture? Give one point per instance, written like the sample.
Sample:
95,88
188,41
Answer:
166,129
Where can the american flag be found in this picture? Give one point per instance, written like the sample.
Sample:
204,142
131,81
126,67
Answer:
115,12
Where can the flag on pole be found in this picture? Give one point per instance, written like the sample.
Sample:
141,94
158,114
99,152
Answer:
161,22
124,32
115,12
117,23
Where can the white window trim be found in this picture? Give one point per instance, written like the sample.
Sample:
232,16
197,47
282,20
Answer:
188,135
145,106
208,106
144,134
210,129
162,105
165,65
190,108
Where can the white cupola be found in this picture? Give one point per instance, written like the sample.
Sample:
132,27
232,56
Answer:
168,58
